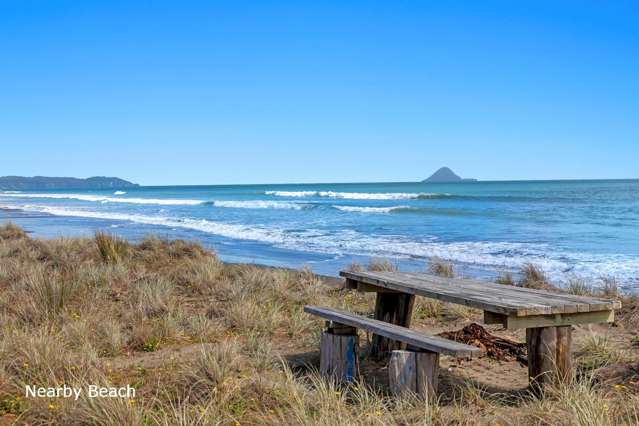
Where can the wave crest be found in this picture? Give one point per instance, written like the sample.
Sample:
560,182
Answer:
260,204
357,209
356,195
105,199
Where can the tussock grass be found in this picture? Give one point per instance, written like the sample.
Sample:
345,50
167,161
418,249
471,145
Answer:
597,351
610,287
578,287
205,343
112,249
381,265
506,278
11,231
442,268
533,276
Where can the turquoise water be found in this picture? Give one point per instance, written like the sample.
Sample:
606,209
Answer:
584,229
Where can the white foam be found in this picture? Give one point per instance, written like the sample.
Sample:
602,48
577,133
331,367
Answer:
106,199
228,230
353,195
292,193
559,265
260,204
119,193
357,209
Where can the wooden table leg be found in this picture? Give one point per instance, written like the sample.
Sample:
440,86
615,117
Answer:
394,308
549,355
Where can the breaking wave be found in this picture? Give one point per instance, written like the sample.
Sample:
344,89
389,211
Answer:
106,199
559,264
357,209
260,204
357,195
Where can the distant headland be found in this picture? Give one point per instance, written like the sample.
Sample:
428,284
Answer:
20,183
445,174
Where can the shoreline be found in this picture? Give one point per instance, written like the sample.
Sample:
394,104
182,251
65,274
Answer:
88,229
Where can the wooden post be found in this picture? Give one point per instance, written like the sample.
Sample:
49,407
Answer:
549,355
394,308
414,372
339,353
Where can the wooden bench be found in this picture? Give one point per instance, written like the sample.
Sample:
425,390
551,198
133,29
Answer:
412,370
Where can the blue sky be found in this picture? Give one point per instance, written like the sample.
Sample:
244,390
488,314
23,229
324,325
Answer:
291,91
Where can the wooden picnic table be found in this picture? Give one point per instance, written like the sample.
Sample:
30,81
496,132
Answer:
547,317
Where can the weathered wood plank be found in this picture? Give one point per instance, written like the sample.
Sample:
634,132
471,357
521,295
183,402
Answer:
395,332
339,356
368,288
414,372
549,355
509,300
393,308
513,322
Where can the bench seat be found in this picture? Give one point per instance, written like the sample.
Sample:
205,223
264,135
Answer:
395,332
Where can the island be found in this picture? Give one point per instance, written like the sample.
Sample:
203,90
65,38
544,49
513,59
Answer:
445,174
20,183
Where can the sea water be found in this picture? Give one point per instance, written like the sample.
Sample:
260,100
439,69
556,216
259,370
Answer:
571,229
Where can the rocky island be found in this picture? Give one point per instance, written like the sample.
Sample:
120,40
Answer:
445,174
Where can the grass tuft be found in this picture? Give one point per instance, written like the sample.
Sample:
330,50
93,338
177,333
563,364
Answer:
112,249
381,265
533,276
506,278
442,268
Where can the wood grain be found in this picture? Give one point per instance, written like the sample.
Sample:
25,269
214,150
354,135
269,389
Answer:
413,372
504,299
395,332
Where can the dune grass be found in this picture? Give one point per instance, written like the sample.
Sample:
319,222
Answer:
208,343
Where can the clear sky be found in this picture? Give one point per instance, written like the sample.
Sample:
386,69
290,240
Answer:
187,92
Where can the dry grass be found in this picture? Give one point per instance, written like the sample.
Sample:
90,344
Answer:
534,277
205,342
505,278
578,287
381,265
442,268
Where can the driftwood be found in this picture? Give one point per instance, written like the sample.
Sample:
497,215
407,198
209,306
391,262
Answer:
493,346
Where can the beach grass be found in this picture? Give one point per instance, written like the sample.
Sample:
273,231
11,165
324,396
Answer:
205,342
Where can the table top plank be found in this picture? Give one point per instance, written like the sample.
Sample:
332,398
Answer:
499,298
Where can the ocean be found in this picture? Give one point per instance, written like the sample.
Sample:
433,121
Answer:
571,229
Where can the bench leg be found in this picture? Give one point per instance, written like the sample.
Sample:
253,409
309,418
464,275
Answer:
339,349
394,308
549,355
413,372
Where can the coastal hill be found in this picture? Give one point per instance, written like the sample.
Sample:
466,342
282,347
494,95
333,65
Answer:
20,183
445,174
